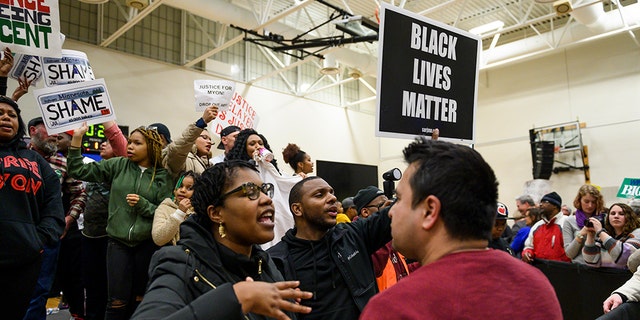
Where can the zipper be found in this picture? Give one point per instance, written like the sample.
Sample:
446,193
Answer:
260,266
137,188
201,277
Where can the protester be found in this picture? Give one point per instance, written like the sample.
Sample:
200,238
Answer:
299,160
33,216
173,211
217,271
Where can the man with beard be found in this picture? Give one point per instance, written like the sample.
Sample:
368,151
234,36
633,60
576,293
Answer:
332,261
64,256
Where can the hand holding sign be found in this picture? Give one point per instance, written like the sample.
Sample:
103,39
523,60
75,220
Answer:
21,89
210,113
6,63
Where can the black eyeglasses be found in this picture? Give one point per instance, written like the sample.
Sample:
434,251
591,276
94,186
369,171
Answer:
252,190
377,205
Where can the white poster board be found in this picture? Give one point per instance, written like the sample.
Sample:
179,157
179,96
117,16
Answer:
31,27
72,67
240,113
218,92
66,107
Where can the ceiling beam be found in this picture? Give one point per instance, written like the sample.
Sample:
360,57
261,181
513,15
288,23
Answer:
141,15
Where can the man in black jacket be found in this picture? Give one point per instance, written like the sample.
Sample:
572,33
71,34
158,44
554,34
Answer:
332,261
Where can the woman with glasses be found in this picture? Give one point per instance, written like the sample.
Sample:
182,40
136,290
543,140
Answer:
192,151
611,244
138,184
217,270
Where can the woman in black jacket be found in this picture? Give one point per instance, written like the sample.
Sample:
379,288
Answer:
217,270
31,217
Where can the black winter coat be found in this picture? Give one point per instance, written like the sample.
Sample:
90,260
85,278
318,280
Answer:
190,280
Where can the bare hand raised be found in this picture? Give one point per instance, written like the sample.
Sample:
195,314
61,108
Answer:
270,299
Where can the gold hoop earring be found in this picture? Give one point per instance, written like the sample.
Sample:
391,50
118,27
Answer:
221,231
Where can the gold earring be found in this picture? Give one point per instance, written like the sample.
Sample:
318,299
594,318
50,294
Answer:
221,231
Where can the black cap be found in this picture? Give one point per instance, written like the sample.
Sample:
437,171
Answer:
225,132
35,121
553,198
366,195
162,130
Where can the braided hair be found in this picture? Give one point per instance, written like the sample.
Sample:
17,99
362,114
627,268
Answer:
154,147
239,150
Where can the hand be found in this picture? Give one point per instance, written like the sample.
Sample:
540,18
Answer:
597,225
6,63
527,257
68,220
184,205
269,299
22,88
78,133
611,303
210,113
132,199
302,174
435,134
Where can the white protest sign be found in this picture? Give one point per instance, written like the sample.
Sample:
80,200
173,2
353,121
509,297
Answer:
26,66
71,68
240,113
66,107
218,92
31,27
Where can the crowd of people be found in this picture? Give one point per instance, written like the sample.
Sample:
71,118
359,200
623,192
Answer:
159,228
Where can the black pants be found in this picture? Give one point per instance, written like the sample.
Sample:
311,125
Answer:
17,285
69,277
625,311
127,276
94,267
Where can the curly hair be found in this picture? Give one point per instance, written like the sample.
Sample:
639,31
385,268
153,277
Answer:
209,188
154,148
588,189
631,221
239,150
293,155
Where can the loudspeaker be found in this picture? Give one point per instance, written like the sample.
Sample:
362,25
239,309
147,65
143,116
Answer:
542,157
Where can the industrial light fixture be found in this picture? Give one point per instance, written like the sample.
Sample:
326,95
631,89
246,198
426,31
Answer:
329,66
138,4
562,7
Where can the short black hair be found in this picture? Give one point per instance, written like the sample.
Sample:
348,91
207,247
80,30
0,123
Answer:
463,182
209,187
295,195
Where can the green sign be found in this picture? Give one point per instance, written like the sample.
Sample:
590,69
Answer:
630,188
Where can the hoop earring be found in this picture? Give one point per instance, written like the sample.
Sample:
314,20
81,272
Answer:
221,231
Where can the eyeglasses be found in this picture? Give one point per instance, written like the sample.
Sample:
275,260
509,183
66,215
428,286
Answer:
252,190
377,205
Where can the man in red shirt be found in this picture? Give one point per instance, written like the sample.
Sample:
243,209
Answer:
443,216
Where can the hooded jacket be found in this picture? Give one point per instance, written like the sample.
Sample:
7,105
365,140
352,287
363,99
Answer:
32,214
194,279
350,247
182,154
129,225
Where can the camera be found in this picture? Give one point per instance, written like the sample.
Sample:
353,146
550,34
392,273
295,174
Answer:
389,177
589,224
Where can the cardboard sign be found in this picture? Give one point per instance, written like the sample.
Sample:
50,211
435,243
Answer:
31,27
630,188
72,67
218,92
427,78
27,66
66,107
240,113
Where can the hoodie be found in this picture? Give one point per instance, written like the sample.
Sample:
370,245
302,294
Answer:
32,213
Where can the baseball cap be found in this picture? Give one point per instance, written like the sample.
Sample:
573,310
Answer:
502,213
225,132
366,195
162,130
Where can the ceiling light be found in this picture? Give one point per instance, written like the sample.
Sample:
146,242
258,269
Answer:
486,28
138,4
329,66
562,7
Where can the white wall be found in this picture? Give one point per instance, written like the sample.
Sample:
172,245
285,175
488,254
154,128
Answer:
597,83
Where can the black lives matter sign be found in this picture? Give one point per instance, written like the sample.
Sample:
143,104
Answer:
427,78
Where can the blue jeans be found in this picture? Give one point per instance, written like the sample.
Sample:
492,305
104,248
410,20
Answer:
38,304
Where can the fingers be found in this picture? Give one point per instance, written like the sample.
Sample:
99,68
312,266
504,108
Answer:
294,307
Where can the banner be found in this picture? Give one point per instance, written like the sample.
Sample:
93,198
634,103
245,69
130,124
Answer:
31,27
27,66
218,92
72,67
630,188
240,113
427,78
66,107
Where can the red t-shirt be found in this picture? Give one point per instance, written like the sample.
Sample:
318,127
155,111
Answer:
486,284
